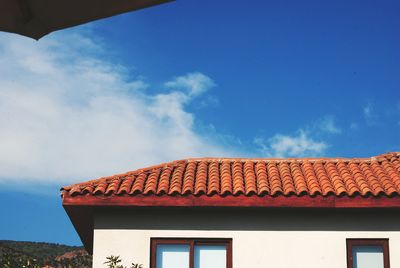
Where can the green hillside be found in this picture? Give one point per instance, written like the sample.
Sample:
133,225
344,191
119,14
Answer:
34,255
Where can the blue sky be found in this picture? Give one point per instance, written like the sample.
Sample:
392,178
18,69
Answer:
190,79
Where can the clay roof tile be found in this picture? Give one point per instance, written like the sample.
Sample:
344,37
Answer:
374,176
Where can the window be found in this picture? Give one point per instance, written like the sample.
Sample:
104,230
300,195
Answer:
191,253
367,253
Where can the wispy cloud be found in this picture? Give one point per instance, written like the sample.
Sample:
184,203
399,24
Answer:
367,110
194,83
308,141
327,124
354,126
68,114
371,115
380,114
300,144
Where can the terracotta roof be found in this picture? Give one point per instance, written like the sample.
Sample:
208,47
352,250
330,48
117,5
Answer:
207,177
329,183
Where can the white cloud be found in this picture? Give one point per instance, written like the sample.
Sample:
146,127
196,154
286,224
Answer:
354,126
371,116
209,101
67,114
298,145
307,141
367,110
328,125
194,83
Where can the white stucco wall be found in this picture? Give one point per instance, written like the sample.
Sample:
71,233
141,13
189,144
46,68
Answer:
270,244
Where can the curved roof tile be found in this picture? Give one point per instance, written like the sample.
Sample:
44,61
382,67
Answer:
374,176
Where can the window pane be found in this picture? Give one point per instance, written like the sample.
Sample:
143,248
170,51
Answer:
209,257
172,256
368,257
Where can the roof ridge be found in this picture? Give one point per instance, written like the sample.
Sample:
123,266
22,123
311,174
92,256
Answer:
284,159
386,155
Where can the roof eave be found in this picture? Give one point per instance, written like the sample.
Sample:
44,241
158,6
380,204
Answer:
80,208
267,201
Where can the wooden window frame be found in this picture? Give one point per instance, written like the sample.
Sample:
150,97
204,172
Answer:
191,242
382,242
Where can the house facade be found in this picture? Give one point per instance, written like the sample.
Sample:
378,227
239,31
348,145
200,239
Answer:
224,213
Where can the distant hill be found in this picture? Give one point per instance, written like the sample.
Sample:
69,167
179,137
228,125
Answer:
35,254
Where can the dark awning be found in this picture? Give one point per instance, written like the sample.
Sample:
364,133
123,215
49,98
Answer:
36,18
